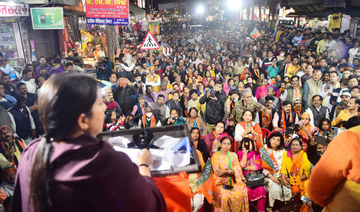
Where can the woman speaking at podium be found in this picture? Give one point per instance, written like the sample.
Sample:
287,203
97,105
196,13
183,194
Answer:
69,169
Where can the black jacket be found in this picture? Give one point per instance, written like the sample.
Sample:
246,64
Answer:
123,96
214,111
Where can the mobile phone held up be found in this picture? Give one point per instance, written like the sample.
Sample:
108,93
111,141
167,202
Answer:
305,199
334,132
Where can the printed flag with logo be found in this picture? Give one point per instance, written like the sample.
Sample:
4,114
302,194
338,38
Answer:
255,33
267,162
206,184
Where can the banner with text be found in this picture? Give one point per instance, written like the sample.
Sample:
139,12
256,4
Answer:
107,12
11,9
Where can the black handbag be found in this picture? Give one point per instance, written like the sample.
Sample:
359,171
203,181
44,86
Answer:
255,179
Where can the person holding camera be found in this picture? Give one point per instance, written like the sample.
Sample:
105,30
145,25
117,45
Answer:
174,118
215,104
103,68
250,161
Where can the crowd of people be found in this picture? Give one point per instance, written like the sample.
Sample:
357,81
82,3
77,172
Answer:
287,93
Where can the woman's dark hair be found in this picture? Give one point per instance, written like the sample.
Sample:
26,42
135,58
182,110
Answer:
174,110
193,108
275,134
62,99
226,137
220,122
322,121
195,128
296,139
242,116
246,139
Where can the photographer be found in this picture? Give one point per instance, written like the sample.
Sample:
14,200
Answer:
174,118
103,68
215,103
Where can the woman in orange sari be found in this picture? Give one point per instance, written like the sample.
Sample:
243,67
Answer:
232,192
247,128
295,170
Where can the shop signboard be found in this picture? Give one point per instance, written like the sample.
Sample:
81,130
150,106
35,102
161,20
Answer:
11,9
107,12
47,18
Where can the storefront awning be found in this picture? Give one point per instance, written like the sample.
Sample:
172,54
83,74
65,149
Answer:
137,11
323,8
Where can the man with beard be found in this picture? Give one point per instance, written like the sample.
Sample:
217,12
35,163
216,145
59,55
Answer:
31,103
271,92
351,111
11,148
160,109
10,89
343,105
284,117
264,118
294,92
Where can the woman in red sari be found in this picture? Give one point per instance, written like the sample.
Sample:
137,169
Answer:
247,128
212,139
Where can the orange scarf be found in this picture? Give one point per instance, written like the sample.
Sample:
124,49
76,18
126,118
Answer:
195,123
152,123
297,186
216,143
283,120
257,73
298,111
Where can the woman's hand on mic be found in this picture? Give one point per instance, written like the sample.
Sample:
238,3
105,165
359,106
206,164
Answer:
144,158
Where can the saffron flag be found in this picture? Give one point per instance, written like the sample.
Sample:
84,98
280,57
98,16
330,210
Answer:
267,161
206,184
255,33
154,27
